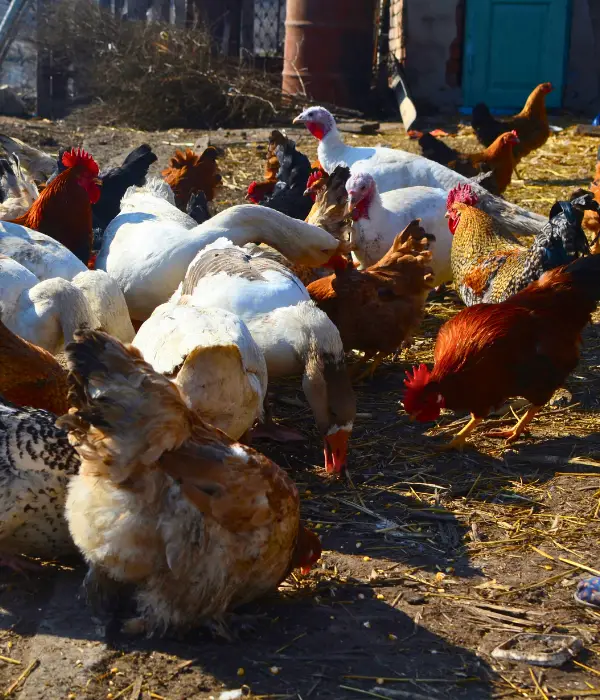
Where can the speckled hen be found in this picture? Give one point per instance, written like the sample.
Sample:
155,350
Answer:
36,462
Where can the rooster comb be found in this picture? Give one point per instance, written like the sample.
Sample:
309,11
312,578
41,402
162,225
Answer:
77,156
419,377
463,194
314,177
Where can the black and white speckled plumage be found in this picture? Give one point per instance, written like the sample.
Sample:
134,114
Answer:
36,462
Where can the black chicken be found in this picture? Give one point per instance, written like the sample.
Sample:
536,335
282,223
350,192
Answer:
197,207
294,170
115,182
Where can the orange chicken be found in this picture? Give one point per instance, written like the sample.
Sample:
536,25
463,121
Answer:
189,172
496,158
30,376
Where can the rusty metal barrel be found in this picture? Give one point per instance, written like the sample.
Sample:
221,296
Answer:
329,50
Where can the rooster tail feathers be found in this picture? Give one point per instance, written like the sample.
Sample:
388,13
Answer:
125,415
562,239
143,153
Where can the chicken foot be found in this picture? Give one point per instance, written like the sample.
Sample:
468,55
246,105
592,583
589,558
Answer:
512,434
368,370
458,442
101,592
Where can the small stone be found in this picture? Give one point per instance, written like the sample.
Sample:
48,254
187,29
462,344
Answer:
367,624
416,599
275,670
358,545
240,671
380,596
392,637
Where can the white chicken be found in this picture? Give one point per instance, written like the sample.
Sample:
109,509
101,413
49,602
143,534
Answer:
393,169
147,249
379,218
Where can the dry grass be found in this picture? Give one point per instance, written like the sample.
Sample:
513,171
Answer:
154,76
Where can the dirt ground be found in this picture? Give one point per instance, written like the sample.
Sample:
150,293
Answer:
430,560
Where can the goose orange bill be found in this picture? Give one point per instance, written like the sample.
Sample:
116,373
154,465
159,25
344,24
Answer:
336,451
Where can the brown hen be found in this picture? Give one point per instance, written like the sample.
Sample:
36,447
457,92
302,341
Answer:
531,123
377,310
197,523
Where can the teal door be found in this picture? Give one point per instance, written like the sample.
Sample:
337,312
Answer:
511,46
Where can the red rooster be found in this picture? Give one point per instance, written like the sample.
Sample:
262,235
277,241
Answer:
64,208
525,346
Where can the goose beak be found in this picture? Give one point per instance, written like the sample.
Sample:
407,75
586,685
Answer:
336,451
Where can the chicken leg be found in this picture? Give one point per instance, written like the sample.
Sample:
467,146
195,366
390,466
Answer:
368,370
512,434
459,440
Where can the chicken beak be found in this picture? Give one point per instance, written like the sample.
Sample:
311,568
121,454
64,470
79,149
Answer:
447,215
298,120
336,451
97,181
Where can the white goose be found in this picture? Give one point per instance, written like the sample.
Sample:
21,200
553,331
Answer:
48,312
294,335
213,359
147,249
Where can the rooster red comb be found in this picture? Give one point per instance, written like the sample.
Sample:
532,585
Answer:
313,178
419,377
77,156
461,193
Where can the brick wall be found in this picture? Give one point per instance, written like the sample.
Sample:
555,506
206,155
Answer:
397,46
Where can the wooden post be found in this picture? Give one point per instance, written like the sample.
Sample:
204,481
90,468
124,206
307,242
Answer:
44,70
247,28
180,12
161,10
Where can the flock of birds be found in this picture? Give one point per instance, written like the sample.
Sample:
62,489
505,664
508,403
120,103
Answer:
171,321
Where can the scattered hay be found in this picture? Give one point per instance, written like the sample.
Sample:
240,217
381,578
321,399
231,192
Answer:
156,76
